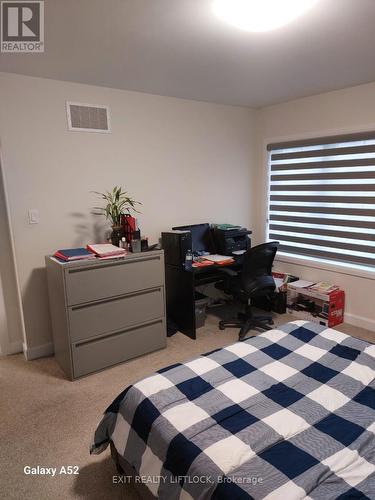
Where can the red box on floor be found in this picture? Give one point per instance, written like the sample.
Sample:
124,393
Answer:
325,308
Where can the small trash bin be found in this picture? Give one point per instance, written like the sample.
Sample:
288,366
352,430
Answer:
201,302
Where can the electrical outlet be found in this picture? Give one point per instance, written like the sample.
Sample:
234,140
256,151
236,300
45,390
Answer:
33,216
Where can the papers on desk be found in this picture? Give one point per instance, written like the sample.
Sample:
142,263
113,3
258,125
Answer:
216,257
219,259
203,263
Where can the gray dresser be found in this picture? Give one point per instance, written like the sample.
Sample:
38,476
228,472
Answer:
105,312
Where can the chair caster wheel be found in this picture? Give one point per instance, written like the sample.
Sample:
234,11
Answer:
221,326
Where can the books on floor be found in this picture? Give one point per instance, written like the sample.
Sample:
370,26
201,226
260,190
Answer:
106,251
324,287
301,284
72,254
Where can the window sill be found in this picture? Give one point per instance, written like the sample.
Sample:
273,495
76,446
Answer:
325,265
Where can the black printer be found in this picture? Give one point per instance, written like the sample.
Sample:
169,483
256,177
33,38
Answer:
228,241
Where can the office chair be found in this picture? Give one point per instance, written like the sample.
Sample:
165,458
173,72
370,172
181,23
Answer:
254,280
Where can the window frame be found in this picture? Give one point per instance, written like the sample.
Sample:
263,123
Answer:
331,265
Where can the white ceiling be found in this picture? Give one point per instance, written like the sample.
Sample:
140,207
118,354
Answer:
179,48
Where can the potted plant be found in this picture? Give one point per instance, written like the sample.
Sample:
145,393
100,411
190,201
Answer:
117,204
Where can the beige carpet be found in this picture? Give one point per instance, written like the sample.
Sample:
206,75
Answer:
48,421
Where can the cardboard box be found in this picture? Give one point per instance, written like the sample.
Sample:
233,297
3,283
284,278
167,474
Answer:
323,307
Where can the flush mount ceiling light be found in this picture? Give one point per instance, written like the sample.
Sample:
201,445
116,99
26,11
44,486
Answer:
260,15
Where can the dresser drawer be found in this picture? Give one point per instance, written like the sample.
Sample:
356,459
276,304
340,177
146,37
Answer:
108,279
89,320
94,355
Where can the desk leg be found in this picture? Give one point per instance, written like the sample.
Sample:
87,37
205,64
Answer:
179,285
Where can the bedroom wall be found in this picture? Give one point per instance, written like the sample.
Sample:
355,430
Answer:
3,322
348,110
186,161
11,328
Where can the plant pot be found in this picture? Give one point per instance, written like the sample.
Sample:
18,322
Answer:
117,233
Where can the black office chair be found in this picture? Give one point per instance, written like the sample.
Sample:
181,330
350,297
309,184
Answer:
254,280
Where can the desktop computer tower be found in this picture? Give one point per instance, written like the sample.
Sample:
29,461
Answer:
175,245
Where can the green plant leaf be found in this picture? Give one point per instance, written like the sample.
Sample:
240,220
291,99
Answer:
118,202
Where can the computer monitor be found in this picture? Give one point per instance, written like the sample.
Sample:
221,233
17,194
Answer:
201,240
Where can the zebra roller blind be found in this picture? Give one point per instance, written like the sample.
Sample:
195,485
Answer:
322,198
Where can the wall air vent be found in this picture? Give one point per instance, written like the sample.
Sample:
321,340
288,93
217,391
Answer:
88,117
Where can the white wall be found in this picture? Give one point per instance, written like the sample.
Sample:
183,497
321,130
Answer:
3,322
11,327
348,110
186,161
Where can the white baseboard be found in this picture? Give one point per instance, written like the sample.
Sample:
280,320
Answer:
40,351
360,321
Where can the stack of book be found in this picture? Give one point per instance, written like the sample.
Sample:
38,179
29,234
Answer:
323,287
72,254
106,251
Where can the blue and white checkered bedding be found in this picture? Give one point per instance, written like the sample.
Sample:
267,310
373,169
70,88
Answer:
288,414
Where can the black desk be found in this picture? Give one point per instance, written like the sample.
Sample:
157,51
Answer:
180,292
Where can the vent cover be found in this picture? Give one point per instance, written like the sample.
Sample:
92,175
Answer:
88,117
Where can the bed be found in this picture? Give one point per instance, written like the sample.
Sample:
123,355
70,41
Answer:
287,414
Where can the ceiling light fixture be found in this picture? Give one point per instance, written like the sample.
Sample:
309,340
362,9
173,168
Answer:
260,15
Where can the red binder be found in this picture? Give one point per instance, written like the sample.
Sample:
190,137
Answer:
129,224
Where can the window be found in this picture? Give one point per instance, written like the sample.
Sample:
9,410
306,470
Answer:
322,198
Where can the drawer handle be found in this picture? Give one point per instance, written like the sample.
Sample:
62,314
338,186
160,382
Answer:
112,264
115,299
115,334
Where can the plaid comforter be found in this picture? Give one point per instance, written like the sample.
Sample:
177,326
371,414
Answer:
287,414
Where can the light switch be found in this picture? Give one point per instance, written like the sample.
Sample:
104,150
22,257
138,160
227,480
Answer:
33,216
